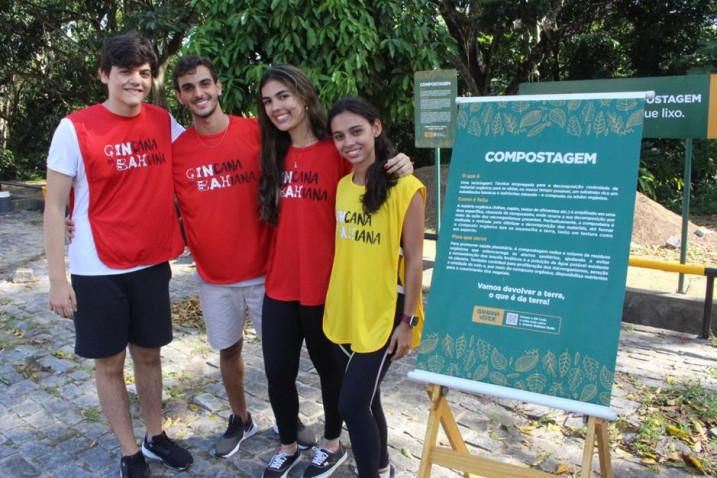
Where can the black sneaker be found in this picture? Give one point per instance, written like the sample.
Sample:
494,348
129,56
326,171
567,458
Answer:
325,462
280,465
305,436
165,450
237,432
134,466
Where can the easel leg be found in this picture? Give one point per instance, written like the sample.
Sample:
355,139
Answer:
597,427
434,420
604,449
587,465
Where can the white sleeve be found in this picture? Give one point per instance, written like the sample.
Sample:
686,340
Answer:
177,128
65,156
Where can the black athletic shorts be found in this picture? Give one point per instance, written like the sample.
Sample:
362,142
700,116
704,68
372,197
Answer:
121,309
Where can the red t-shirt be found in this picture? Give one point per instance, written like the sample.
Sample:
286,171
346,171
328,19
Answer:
303,249
216,179
128,162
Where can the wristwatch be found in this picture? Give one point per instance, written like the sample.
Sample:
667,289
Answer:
410,320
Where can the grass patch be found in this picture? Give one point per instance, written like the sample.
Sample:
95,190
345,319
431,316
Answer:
680,415
92,414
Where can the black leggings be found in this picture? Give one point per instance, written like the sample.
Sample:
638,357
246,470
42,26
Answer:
285,325
360,403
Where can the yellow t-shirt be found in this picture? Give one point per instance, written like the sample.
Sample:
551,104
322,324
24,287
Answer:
361,300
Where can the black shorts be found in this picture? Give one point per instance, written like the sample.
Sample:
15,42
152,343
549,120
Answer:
121,309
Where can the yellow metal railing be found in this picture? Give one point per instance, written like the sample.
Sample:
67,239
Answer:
709,272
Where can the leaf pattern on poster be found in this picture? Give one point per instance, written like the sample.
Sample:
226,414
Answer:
447,346
575,379
589,392
481,372
474,128
557,389
461,343
590,367
520,106
462,119
536,383
577,117
572,375
634,119
604,399
606,378
497,125
564,363
536,130
558,117
510,123
498,360
527,361
614,121
498,378
470,359
587,113
429,342
530,119
600,125
483,349
626,104
574,128
549,363
435,363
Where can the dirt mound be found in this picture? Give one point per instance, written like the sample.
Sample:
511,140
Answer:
653,224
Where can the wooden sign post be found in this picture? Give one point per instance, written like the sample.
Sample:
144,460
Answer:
459,458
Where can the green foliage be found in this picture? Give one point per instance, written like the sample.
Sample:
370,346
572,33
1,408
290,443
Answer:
48,62
345,47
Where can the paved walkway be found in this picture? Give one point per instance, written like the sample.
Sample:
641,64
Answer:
51,424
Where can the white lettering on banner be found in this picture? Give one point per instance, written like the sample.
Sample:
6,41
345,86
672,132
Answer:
668,99
540,157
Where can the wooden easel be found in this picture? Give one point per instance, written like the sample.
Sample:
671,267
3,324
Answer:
458,458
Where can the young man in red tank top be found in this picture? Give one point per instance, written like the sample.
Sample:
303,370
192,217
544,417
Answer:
116,159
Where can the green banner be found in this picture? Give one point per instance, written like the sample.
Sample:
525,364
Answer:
529,281
434,104
683,106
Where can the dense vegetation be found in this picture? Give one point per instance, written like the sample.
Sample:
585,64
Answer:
48,64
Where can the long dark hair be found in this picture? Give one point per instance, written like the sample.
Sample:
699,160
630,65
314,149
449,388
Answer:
378,182
276,143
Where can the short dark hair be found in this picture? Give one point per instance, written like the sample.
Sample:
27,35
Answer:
189,64
127,50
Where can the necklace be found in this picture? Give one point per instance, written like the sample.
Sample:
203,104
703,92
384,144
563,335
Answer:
216,143
299,149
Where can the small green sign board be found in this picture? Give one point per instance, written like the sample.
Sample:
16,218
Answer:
683,106
529,282
435,109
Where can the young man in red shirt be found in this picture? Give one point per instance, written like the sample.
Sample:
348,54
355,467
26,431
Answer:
116,158
216,174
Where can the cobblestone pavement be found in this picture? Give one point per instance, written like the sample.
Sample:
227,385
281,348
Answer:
51,424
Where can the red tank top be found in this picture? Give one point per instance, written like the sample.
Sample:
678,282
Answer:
128,162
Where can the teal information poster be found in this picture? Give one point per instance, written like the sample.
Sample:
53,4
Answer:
529,281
